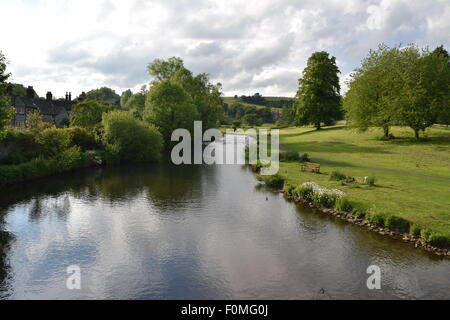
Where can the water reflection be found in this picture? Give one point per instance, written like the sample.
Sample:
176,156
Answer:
168,232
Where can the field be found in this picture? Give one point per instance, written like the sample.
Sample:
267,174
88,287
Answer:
412,177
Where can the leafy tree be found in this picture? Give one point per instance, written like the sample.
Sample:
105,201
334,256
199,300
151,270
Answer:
104,95
318,96
164,69
252,119
136,103
3,64
35,125
54,141
444,116
371,88
205,95
6,113
424,92
168,106
134,139
126,95
87,114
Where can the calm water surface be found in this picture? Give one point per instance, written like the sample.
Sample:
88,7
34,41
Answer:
193,232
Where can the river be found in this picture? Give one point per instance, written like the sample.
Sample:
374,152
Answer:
193,232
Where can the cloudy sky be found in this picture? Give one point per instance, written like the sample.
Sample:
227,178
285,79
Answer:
249,46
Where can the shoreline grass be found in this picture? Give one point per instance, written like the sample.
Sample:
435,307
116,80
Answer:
421,201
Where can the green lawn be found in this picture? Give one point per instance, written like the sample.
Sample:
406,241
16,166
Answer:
421,200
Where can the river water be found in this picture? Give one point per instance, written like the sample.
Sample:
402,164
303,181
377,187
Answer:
193,232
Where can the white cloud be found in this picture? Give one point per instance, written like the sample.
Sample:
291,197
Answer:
249,46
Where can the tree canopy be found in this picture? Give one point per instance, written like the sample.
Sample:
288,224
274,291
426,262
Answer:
6,112
103,95
400,86
87,114
168,106
318,96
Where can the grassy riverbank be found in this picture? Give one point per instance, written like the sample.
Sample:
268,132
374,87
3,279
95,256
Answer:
423,200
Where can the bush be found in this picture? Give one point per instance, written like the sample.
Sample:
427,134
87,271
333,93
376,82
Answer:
377,219
289,156
69,159
343,205
131,138
370,180
54,141
304,158
19,157
337,176
415,230
398,224
82,138
439,240
274,181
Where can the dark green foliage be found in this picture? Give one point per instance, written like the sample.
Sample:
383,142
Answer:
274,181
377,219
343,205
318,97
337,176
370,180
398,224
304,158
104,95
132,139
54,141
82,137
40,167
289,156
415,230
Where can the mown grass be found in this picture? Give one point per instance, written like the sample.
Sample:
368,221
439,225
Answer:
421,201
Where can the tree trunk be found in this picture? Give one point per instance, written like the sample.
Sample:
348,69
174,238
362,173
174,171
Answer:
386,132
318,125
416,134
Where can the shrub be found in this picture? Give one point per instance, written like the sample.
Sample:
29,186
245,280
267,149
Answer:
69,159
359,213
322,196
289,156
133,139
54,141
289,188
19,157
397,224
439,240
377,219
258,166
415,230
337,176
305,192
275,181
304,158
343,205
82,138
370,180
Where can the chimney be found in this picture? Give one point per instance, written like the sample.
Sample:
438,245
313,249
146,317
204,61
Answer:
67,96
70,96
30,92
49,96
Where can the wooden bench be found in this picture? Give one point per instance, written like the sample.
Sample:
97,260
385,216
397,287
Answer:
314,167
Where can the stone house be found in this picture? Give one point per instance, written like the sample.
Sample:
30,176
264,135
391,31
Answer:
53,111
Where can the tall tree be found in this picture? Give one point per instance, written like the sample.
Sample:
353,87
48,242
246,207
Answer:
87,114
319,98
6,112
168,106
104,95
205,95
126,95
368,102
424,93
164,69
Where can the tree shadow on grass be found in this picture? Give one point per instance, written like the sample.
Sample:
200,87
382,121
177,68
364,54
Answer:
333,147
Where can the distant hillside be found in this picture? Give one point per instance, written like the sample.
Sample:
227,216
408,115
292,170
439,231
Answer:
274,103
